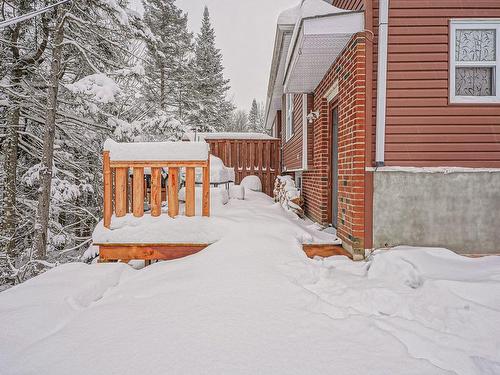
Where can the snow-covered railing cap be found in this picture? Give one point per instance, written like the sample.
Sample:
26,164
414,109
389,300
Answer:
157,151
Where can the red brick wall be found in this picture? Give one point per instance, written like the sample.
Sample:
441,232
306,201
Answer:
292,150
349,4
349,70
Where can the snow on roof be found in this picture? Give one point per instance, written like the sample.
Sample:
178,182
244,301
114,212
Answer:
305,9
227,135
289,16
157,151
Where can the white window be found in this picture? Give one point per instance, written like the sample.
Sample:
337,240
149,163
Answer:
475,61
289,117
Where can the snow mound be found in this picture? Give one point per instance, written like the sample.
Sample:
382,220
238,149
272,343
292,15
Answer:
237,192
252,182
157,151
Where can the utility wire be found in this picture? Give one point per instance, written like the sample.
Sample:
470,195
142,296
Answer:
30,15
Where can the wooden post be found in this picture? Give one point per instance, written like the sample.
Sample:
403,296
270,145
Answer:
138,192
121,182
206,189
173,193
108,190
190,192
155,192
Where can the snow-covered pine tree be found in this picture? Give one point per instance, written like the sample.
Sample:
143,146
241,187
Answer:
169,50
212,109
253,116
256,117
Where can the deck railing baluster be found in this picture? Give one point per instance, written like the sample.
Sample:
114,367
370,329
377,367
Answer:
206,189
173,191
190,207
155,192
121,182
138,192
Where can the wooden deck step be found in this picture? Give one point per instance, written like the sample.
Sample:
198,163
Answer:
325,250
109,252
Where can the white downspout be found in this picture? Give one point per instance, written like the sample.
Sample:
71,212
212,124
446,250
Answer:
305,124
383,32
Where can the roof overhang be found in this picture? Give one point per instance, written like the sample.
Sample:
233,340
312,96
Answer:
276,77
317,42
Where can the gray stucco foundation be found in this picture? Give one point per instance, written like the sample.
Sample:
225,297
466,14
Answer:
459,210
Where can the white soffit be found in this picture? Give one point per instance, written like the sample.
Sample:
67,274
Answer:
275,89
278,87
319,43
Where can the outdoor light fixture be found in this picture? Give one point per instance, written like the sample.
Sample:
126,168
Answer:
313,115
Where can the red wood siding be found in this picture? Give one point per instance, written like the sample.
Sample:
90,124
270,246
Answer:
277,124
349,4
422,128
250,157
292,150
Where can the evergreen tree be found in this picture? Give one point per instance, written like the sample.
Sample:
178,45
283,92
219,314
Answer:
169,50
256,117
253,116
212,111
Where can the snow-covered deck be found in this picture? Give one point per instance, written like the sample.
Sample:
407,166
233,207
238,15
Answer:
236,215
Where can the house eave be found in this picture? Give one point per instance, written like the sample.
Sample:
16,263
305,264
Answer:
316,43
279,54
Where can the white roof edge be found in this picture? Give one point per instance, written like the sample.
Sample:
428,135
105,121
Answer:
299,26
291,21
278,54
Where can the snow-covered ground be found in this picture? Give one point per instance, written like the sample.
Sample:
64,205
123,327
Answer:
252,303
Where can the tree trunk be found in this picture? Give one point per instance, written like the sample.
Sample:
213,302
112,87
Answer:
10,149
43,210
162,86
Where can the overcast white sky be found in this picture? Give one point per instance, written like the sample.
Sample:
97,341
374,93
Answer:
245,32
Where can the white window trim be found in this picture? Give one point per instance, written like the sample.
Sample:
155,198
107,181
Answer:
289,117
474,24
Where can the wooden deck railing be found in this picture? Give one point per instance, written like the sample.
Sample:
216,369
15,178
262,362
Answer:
118,172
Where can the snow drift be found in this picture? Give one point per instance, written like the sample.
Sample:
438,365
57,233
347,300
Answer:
252,303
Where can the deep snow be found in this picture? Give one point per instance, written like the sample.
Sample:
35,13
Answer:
157,151
252,303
